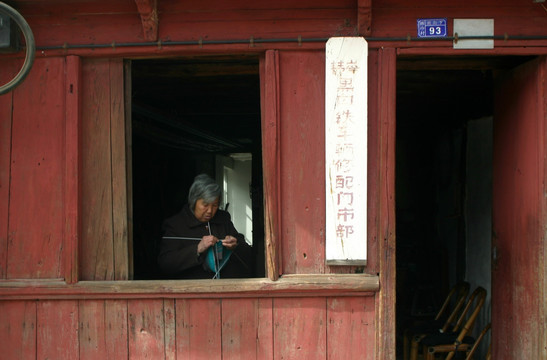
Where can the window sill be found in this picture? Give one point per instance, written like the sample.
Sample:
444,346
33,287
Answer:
286,286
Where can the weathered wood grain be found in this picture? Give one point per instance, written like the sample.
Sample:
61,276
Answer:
374,161
364,17
92,329
199,332
169,319
7,69
288,285
119,161
103,329
146,329
519,213
57,330
302,165
121,21
116,22
72,167
36,207
385,329
129,166
116,329
351,328
246,328
269,70
148,10
265,346
97,211
300,328
18,329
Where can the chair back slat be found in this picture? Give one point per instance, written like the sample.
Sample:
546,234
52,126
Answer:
477,343
474,305
460,290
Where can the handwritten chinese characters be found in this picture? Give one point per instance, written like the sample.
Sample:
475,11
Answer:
346,150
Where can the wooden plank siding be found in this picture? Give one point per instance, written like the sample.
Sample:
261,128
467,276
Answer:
104,201
7,71
259,328
263,319
302,94
269,99
117,22
214,20
72,167
36,192
18,329
519,183
57,335
384,194
287,318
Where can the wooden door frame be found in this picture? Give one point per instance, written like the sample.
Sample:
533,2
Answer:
541,52
520,213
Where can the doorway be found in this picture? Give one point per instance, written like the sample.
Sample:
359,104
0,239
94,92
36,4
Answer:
189,116
444,166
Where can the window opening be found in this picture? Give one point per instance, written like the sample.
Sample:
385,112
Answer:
190,116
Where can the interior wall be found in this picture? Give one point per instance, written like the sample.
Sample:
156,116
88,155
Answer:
237,193
478,213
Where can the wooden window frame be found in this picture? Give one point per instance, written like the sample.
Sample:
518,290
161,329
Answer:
274,285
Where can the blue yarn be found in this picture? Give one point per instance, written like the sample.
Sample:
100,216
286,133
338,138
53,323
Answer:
210,258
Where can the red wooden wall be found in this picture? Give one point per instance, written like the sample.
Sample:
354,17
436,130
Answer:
519,212
103,168
33,174
42,323
62,193
188,328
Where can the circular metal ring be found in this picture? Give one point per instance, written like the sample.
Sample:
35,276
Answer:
30,48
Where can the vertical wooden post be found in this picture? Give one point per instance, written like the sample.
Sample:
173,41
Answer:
6,112
385,299
271,160
119,181
72,167
129,165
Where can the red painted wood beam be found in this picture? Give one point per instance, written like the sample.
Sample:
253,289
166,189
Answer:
364,17
148,9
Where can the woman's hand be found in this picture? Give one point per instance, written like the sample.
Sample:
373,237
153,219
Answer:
229,242
206,242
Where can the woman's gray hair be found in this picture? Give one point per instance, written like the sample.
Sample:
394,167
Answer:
205,188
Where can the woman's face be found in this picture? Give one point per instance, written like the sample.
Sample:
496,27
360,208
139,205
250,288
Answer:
205,211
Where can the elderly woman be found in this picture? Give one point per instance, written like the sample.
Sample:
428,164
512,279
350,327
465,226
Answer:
200,224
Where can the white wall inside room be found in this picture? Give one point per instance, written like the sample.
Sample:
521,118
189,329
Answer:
235,172
478,210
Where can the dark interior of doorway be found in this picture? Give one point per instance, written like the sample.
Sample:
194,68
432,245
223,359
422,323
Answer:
185,112
440,100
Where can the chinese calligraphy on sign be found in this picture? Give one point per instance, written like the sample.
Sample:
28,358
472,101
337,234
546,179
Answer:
346,150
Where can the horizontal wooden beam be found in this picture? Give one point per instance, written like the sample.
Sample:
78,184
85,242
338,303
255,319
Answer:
286,286
148,9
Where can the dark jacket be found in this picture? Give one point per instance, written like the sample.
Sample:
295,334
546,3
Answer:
178,259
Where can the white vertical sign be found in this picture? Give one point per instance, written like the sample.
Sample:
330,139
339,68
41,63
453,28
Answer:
346,150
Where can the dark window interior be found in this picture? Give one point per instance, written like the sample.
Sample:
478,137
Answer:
185,112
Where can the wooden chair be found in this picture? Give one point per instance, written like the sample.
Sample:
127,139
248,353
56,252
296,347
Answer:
458,339
477,343
443,319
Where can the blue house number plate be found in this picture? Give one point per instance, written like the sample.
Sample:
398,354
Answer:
432,28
